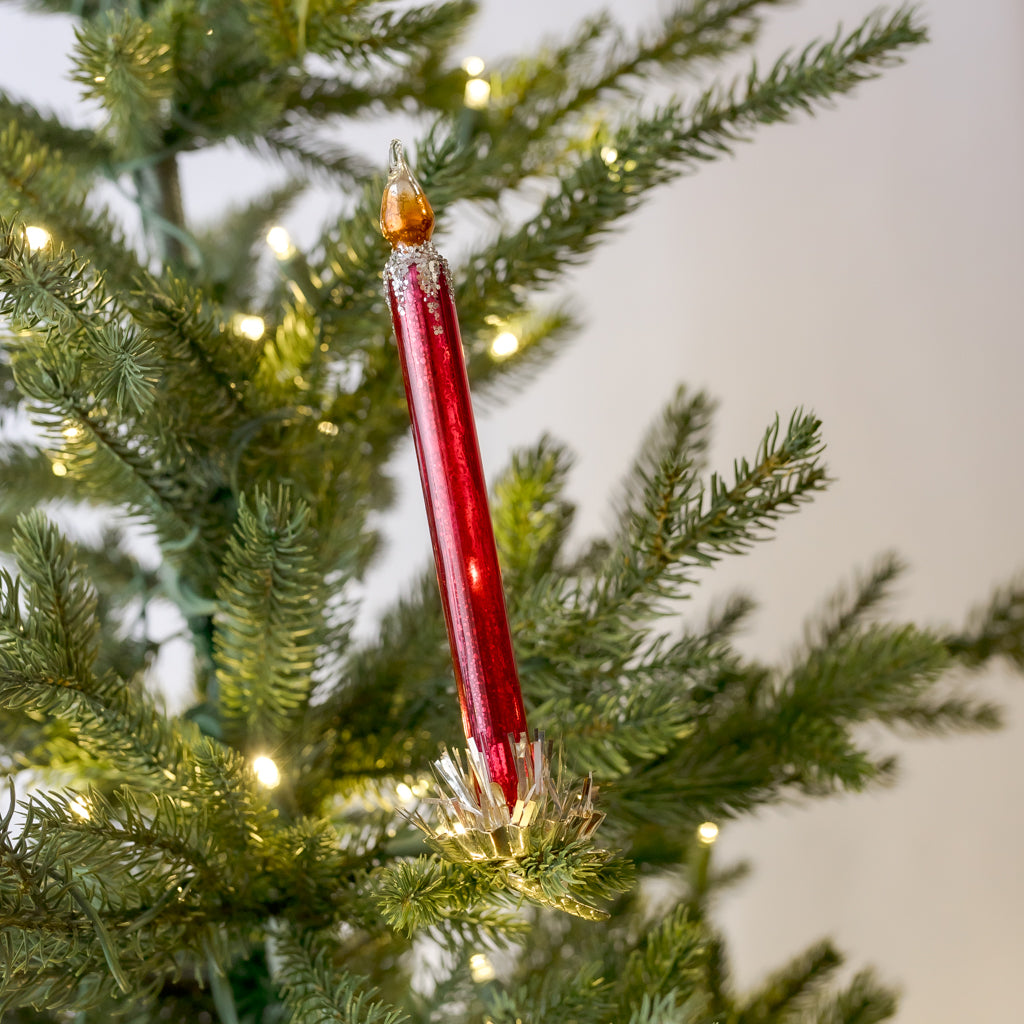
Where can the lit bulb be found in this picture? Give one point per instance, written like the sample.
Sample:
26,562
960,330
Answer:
59,469
280,242
707,833
251,327
266,772
327,427
481,968
72,431
36,237
609,154
477,94
504,345
80,808
473,66
404,793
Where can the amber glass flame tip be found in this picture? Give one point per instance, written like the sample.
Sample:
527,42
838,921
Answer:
406,218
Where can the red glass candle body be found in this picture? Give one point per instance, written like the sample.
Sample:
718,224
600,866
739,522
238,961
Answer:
448,452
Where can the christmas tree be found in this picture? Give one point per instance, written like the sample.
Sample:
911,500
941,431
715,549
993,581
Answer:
234,419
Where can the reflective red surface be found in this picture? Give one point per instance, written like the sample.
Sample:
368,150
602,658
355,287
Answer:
448,452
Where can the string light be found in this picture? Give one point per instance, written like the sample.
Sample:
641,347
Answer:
72,431
481,968
404,793
249,326
707,833
477,94
59,469
609,154
280,242
36,237
328,428
266,771
504,345
473,66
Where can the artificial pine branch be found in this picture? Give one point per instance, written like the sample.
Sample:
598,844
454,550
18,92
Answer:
789,989
456,904
593,195
79,146
314,990
303,153
207,367
124,62
38,186
56,634
993,630
863,1001
849,606
541,333
531,516
539,95
664,957
683,526
266,630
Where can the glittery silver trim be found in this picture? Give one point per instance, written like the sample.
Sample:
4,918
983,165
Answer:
431,268
474,822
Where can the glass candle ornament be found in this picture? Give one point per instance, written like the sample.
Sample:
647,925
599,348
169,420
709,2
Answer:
419,291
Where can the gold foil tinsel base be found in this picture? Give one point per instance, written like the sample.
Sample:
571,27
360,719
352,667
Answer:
474,823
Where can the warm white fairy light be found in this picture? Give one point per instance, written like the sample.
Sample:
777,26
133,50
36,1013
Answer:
72,431
280,242
267,773
328,428
36,237
504,345
249,326
59,469
404,793
80,808
481,968
474,66
707,833
477,94
609,154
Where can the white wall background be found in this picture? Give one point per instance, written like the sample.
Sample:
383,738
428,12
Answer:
866,263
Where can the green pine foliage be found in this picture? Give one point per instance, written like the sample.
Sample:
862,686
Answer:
266,625
146,873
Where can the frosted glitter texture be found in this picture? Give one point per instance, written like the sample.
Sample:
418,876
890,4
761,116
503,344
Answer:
444,430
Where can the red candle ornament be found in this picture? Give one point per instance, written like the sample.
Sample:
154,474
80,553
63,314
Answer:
503,803
418,288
